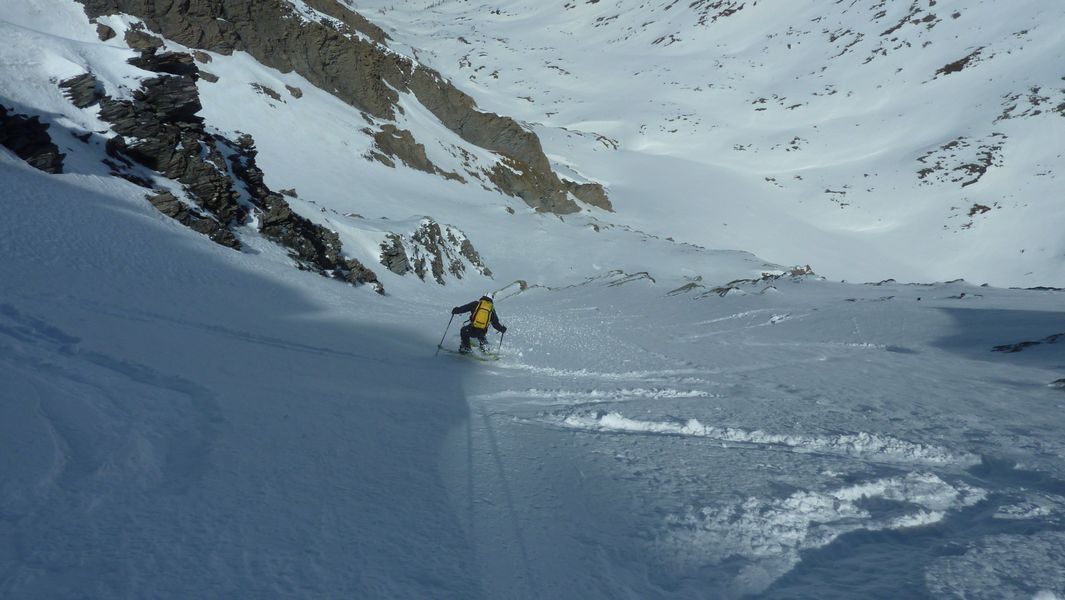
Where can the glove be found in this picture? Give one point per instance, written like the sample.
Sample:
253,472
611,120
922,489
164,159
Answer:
502,329
455,311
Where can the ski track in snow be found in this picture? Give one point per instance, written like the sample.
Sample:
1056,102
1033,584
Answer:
552,397
165,459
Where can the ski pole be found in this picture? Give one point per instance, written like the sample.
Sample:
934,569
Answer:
441,344
501,334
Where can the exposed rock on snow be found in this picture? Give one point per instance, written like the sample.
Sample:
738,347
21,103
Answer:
733,287
159,129
137,39
170,206
350,19
105,32
174,63
958,162
432,249
394,255
1020,346
262,89
362,72
589,193
28,138
83,90
400,143
313,246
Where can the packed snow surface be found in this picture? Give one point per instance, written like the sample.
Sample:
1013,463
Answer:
180,420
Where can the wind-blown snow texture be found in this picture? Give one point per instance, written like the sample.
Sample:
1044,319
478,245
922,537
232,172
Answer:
178,419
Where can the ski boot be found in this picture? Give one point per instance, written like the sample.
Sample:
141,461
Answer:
464,349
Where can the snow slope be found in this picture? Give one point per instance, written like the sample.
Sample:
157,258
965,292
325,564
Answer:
870,139
182,420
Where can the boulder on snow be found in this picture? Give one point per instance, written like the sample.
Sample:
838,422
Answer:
105,32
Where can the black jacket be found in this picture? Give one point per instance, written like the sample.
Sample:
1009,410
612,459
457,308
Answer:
469,308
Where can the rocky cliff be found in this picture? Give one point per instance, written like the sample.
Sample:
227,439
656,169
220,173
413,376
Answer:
341,52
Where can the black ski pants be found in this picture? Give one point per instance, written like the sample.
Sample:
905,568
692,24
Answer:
469,331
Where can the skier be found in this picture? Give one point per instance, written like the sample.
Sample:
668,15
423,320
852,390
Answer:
477,327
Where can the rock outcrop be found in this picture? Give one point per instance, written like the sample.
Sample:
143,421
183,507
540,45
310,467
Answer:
28,138
394,255
589,193
345,55
169,205
83,91
394,143
159,129
314,246
105,32
432,250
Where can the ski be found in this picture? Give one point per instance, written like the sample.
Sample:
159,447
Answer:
473,354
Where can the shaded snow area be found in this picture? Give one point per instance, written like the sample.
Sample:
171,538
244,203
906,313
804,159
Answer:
181,420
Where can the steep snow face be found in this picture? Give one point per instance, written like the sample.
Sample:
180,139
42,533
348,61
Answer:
182,420
871,139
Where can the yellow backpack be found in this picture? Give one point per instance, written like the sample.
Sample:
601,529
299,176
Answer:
482,315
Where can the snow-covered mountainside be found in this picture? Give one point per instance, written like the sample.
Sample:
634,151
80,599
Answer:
232,232
916,139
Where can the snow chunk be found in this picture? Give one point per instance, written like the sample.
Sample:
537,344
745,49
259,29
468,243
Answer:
863,445
771,533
